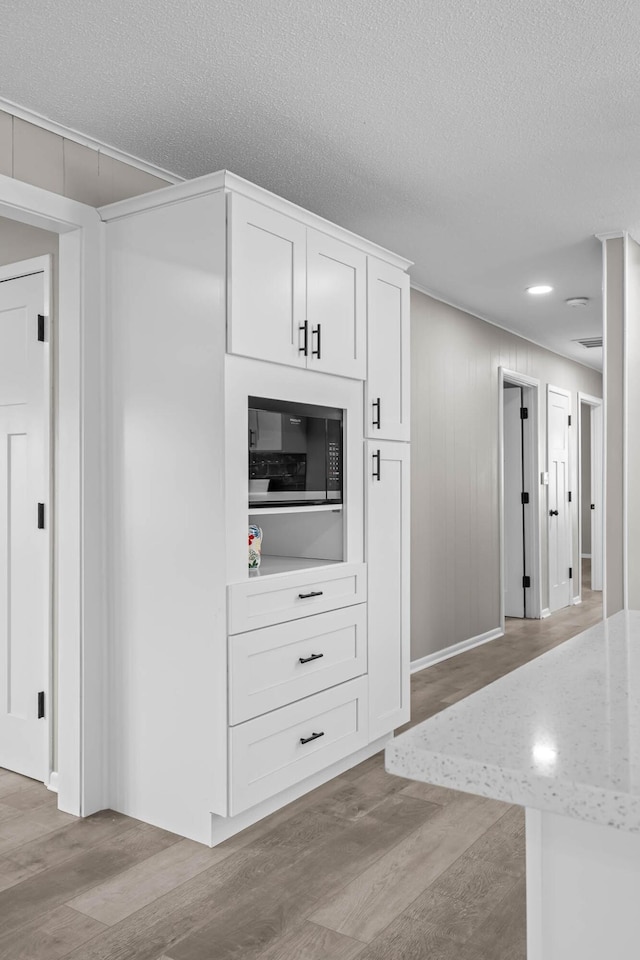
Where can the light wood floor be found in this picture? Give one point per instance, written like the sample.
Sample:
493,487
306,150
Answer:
367,866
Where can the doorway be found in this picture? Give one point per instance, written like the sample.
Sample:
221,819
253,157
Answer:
25,515
591,460
519,500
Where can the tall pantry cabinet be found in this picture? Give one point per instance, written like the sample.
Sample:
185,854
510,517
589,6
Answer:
231,692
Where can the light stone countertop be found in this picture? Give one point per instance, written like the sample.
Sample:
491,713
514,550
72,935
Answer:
560,734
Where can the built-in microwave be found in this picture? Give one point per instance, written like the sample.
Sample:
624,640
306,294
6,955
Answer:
295,454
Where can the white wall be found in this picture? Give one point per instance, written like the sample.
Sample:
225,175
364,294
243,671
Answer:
455,469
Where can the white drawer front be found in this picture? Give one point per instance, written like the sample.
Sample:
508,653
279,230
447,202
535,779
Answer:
260,602
272,667
267,755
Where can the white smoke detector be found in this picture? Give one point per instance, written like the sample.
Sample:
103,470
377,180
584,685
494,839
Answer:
577,301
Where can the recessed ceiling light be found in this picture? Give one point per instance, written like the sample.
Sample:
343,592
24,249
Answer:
577,301
540,288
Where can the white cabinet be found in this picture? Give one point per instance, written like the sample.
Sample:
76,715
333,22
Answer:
387,550
336,307
267,283
388,364
295,295
275,681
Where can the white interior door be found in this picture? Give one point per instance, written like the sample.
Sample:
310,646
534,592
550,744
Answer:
514,597
596,497
24,527
559,519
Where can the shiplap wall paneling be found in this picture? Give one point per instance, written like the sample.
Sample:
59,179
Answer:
454,476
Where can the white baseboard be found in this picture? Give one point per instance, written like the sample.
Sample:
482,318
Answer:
53,781
431,659
586,556
545,613
575,601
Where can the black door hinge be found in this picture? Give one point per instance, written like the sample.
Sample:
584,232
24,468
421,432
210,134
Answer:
41,705
41,328
524,413
526,581
570,573
569,419
41,516
524,498
569,496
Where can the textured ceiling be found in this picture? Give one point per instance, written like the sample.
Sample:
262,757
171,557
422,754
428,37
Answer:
487,141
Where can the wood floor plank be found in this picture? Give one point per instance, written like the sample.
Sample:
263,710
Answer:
503,935
30,797
132,889
35,823
49,937
504,843
458,902
80,835
308,941
364,907
51,888
414,940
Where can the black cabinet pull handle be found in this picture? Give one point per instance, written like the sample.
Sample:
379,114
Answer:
314,736
593,506
314,593
553,513
314,656
377,417
317,333
376,465
304,349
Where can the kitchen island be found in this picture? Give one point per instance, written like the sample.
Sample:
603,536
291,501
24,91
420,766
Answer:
561,737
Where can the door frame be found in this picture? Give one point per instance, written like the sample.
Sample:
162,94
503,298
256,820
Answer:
8,272
77,510
591,402
531,398
573,598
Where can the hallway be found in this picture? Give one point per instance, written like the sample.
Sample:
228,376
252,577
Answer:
367,866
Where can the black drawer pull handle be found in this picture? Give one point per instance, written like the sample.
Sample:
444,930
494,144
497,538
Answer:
314,593
376,465
377,417
314,656
314,736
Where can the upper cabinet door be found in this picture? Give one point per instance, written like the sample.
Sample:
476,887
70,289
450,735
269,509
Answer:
336,307
387,390
267,267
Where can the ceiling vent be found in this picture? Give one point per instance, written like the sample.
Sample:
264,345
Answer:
590,342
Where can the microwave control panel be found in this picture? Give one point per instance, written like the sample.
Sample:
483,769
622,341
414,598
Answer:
334,472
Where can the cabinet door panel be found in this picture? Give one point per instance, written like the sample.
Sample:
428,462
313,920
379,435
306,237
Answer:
336,306
266,283
388,591
388,357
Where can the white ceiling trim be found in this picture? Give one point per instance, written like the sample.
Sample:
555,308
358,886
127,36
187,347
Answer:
514,333
30,116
